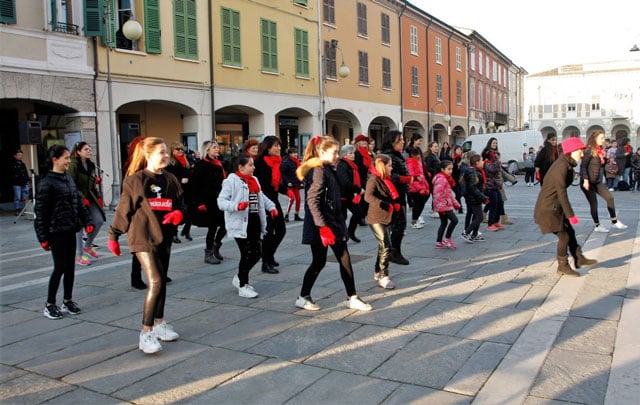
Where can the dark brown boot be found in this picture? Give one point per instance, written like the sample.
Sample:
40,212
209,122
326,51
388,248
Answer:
209,258
580,260
564,269
216,251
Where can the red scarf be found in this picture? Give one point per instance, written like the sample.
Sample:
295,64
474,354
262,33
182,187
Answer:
392,189
601,153
274,163
218,163
366,158
484,176
181,159
450,179
356,174
295,160
251,181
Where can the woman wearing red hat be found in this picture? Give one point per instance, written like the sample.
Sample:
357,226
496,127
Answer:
553,212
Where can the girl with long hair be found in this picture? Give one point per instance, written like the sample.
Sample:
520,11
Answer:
149,211
444,202
288,170
180,167
324,223
352,188
244,205
60,214
87,178
591,181
418,189
493,173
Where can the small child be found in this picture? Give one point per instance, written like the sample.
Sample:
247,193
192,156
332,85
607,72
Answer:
419,187
610,172
444,203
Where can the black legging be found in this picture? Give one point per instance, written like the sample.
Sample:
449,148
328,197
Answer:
398,226
474,213
215,234
250,250
63,251
318,261
599,188
567,239
155,265
381,233
276,229
447,217
356,215
419,201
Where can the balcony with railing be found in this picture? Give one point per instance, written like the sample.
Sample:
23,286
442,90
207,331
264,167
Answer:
66,28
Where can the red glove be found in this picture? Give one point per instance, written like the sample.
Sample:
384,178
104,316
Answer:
538,176
174,218
405,179
100,203
45,245
273,213
202,208
396,207
327,236
243,205
114,247
98,179
89,228
356,199
86,202
574,220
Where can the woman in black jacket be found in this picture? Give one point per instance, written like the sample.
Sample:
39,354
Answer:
474,197
324,224
206,180
60,213
289,179
351,189
180,166
546,156
267,171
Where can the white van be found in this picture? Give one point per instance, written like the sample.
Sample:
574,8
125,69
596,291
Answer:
510,144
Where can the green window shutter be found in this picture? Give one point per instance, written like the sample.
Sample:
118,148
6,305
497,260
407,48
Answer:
300,2
54,14
8,11
192,29
109,36
269,45
152,26
302,52
185,24
231,37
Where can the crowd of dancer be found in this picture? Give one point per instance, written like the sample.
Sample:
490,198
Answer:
343,188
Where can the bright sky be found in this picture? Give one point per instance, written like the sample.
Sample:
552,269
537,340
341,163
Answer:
544,34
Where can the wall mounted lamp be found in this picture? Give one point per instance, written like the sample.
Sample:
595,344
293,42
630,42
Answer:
344,70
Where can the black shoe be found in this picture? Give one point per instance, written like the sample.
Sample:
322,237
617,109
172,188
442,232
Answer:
187,236
52,312
70,307
514,182
363,222
274,263
176,239
169,279
297,218
138,284
269,269
353,237
397,258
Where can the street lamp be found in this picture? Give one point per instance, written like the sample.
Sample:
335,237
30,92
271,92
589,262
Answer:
446,118
343,72
132,30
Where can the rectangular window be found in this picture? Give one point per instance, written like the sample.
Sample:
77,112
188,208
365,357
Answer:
495,71
571,107
93,13
386,29
362,19
61,17
487,72
231,51
329,12
185,29
363,68
472,95
329,60
480,61
269,42
302,52
8,11
472,58
595,107
438,50
439,87
459,92
386,73
413,38
458,59
414,81
152,26
300,2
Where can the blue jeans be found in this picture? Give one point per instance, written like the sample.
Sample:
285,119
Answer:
20,194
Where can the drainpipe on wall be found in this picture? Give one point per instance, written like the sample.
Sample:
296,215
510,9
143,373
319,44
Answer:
449,95
429,133
404,7
320,70
211,86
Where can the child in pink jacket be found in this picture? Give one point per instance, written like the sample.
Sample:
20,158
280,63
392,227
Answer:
419,187
444,203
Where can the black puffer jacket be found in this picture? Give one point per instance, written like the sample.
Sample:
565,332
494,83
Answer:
473,185
58,207
19,174
399,171
590,166
348,189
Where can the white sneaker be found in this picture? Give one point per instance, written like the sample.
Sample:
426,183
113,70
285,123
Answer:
149,342
417,225
307,303
434,214
165,332
236,281
246,291
421,220
354,302
601,229
619,225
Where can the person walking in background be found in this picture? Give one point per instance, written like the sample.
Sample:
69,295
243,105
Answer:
529,163
245,207
351,189
432,164
149,211
458,187
59,215
19,182
415,142
444,202
393,146
591,183
324,224
363,158
250,147
547,155
623,160
418,189
206,182
288,170
553,212
474,185
381,195
445,152
493,173
180,167
267,170
611,172
83,172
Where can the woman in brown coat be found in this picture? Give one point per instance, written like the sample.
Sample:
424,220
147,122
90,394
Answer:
553,211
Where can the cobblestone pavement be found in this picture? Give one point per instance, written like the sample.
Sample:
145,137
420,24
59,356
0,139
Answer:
487,323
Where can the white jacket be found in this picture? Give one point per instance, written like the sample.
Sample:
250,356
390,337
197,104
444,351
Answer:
235,190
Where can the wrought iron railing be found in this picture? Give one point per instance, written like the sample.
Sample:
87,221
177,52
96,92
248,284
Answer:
66,28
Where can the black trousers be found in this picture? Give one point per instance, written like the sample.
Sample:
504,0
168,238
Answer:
419,201
601,189
276,229
398,226
474,212
447,217
250,252
381,233
155,265
63,251
318,261
356,215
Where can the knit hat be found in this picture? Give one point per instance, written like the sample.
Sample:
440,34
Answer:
572,144
361,138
